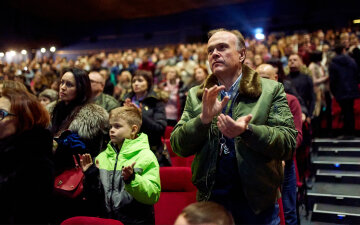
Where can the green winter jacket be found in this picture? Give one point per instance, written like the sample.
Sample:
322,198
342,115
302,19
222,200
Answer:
258,155
132,202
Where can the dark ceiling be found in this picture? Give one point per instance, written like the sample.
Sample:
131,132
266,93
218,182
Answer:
32,23
100,10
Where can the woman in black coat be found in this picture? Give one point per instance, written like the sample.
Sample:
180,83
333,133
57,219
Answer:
26,168
78,127
153,112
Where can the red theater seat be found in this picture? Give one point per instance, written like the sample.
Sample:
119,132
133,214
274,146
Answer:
177,192
85,220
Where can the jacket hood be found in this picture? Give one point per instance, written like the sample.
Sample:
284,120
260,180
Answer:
250,84
90,121
130,146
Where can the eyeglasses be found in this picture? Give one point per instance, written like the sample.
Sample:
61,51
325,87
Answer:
4,114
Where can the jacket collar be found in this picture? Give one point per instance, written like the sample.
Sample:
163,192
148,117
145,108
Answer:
249,87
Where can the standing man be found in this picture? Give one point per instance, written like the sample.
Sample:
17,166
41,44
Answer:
288,193
344,80
97,87
240,128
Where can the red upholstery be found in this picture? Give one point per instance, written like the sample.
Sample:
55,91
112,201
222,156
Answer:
177,192
168,131
337,123
281,212
85,220
177,160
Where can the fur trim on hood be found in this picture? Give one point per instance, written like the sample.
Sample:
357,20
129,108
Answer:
89,121
250,84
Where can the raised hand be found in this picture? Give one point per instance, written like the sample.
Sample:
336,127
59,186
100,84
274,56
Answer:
130,104
128,171
85,161
231,128
211,106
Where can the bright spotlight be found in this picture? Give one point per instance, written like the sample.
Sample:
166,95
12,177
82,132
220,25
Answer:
43,50
2,54
356,21
260,36
24,52
11,53
52,49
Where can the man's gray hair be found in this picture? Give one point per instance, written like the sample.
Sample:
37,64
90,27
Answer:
239,36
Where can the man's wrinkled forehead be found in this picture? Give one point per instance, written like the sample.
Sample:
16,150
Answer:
222,37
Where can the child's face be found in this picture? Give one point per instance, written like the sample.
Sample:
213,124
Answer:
119,130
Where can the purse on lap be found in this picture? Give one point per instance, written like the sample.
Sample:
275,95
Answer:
70,182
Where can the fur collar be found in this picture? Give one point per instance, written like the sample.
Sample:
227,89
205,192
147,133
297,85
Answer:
250,84
90,121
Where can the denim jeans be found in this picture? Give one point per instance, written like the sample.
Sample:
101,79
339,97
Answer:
289,193
238,206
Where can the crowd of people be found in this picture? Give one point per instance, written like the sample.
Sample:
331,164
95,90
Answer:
109,112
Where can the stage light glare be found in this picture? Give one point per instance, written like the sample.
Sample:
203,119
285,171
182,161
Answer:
356,21
2,54
11,53
24,52
52,49
260,36
43,50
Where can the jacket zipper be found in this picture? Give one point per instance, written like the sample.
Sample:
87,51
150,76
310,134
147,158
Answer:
113,179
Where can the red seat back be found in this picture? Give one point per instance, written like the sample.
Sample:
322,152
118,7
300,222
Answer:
177,192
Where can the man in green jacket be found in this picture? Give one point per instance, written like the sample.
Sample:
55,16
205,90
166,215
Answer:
240,127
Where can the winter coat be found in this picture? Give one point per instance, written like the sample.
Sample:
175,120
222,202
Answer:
128,202
153,122
26,177
344,78
106,101
258,155
90,124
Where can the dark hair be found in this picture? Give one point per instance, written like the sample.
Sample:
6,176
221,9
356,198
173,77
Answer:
276,63
207,213
146,75
315,56
28,110
339,48
63,114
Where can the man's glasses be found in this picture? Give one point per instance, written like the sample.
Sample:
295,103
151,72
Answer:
4,114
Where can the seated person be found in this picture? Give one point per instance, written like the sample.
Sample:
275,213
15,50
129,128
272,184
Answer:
126,176
204,213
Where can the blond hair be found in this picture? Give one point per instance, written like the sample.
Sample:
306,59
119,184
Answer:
131,114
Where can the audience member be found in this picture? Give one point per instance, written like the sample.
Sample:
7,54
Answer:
106,101
153,112
200,213
133,169
26,168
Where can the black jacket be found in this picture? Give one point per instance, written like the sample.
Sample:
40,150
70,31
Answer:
305,88
26,177
343,73
153,121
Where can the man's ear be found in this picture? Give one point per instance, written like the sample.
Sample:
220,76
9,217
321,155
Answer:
242,55
134,130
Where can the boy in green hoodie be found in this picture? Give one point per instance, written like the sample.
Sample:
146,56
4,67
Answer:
126,176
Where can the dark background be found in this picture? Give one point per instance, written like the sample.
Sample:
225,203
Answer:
105,24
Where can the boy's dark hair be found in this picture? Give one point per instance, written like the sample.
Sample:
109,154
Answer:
131,114
207,213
